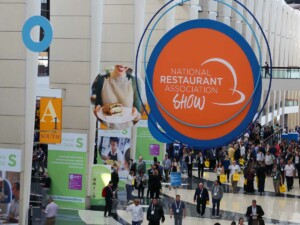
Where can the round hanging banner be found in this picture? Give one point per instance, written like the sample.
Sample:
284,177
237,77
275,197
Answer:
204,83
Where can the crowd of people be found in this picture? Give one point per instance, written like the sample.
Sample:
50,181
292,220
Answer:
258,154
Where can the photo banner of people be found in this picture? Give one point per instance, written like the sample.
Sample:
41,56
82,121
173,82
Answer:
113,149
115,96
10,168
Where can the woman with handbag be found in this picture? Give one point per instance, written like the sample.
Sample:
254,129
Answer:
277,179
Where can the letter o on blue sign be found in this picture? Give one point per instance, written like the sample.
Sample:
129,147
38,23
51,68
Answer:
45,25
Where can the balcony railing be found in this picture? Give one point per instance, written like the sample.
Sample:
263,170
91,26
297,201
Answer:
282,72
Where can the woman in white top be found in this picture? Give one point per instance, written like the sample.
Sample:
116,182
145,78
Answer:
129,185
175,166
219,170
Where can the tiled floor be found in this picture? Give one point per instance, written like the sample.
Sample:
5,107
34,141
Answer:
284,209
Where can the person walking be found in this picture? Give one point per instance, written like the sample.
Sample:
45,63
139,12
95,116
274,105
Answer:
267,69
226,164
200,162
41,158
129,186
189,161
155,182
141,166
141,181
183,165
269,161
297,164
167,167
254,214
108,199
281,167
51,212
202,196
178,210
234,168
261,172
45,184
155,213
277,179
219,170
289,173
217,195
136,212
115,179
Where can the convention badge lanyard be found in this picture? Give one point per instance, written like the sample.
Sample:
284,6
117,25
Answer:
140,163
178,208
153,208
201,193
216,191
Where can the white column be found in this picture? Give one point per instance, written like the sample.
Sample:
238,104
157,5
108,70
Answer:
262,99
278,103
194,9
139,25
268,109
283,122
96,36
298,98
33,7
170,16
273,107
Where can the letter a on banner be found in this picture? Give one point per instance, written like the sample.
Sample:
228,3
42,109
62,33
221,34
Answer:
50,120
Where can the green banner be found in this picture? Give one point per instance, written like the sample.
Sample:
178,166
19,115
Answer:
67,170
68,217
146,145
101,175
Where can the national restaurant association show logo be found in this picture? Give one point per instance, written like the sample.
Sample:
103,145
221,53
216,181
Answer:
204,84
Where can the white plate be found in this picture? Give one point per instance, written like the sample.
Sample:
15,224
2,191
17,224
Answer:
126,116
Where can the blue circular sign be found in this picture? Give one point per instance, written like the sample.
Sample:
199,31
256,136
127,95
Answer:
48,33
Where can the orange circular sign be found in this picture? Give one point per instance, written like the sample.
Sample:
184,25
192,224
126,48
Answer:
203,82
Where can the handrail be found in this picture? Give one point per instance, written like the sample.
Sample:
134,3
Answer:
281,72
277,133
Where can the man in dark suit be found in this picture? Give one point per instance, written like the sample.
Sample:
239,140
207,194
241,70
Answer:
132,166
189,161
202,196
108,199
254,214
155,213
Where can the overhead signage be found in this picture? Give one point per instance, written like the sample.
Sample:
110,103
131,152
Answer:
204,83
50,120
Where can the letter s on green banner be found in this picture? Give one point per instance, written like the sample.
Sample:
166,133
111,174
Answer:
12,160
79,143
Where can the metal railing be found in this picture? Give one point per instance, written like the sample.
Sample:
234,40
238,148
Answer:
281,72
273,137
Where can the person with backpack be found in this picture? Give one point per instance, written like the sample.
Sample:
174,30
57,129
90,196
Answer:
107,193
117,87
